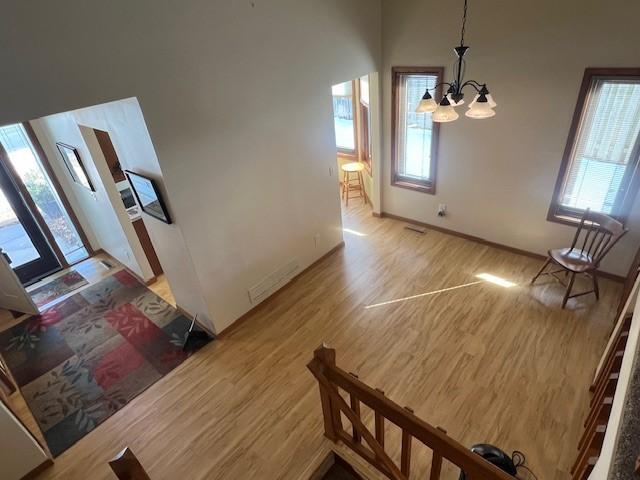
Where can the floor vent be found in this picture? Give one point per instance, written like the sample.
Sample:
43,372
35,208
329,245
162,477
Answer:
273,282
416,228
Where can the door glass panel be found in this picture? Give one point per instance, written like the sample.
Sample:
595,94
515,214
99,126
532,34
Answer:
14,240
27,165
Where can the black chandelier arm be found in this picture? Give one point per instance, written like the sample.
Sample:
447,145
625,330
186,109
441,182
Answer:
477,85
450,85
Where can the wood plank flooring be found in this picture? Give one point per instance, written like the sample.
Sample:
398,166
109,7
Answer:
487,363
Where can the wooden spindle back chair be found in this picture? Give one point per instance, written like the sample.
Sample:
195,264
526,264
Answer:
595,236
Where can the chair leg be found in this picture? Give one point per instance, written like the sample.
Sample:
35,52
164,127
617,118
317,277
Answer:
362,192
346,191
541,270
569,287
596,289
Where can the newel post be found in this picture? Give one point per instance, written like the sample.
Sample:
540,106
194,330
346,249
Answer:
331,413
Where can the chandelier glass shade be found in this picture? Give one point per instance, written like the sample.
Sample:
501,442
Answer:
482,105
480,110
445,112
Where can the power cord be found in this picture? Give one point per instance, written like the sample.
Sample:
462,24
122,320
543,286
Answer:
518,459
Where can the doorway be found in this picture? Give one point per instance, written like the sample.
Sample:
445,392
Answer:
22,242
37,234
355,104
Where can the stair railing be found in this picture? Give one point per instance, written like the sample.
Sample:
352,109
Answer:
370,446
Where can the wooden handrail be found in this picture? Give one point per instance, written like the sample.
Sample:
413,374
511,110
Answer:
331,379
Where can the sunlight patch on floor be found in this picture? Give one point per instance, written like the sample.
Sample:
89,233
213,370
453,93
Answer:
420,295
484,277
487,277
354,232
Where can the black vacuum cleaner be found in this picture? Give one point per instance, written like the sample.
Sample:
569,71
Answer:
195,337
498,457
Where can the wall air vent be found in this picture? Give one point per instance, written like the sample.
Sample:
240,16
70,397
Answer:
273,282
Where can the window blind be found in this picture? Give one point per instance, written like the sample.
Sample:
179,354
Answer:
605,147
414,129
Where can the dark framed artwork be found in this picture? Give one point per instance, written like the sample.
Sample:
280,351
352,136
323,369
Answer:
75,166
148,196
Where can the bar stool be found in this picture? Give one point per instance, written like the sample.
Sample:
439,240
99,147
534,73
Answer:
352,184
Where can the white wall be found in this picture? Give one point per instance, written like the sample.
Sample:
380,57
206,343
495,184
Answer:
128,132
233,93
103,211
19,452
497,175
74,193
375,131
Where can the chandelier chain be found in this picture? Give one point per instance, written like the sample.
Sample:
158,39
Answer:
464,23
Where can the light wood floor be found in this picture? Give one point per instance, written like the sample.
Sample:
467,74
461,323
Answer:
489,364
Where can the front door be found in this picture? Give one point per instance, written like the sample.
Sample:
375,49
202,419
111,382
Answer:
24,245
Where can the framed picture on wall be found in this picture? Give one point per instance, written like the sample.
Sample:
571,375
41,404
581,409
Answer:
148,196
75,166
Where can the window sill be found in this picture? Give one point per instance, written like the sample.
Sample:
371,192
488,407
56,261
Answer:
349,155
574,221
416,187
563,219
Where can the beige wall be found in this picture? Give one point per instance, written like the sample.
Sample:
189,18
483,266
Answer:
124,122
497,175
233,94
101,212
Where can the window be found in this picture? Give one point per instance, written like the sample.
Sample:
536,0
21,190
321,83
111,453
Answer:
414,135
598,170
365,122
344,118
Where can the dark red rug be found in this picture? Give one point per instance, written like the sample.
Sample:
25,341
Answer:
86,357
58,287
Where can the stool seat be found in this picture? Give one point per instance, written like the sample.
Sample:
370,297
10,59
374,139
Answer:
350,184
352,167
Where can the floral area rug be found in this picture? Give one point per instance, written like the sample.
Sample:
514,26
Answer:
67,283
86,357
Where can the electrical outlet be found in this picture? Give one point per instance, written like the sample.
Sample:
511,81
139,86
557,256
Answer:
316,239
442,209
331,171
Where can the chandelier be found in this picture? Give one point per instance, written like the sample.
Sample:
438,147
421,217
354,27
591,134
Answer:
482,105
